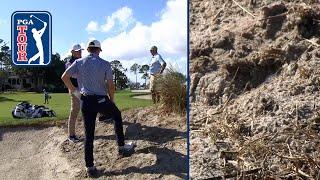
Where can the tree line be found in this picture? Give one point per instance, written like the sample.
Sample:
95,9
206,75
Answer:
49,77
120,79
144,69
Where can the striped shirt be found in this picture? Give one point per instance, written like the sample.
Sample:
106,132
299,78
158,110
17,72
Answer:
92,73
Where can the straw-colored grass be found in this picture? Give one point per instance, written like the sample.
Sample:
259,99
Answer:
173,91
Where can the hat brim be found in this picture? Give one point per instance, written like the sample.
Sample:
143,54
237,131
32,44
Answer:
78,49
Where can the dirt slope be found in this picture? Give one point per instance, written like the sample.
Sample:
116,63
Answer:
254,89
160,151
44,153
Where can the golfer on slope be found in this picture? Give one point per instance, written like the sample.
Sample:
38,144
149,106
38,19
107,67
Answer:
157,66
97,95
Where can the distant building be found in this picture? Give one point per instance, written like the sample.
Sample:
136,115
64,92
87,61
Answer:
15,82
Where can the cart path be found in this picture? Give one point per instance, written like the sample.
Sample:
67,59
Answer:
143,97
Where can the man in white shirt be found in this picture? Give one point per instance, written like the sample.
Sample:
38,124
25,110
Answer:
157,66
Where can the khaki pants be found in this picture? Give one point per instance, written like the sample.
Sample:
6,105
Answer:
74,111
151,82
153,88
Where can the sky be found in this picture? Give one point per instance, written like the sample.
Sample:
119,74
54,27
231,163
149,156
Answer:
126,28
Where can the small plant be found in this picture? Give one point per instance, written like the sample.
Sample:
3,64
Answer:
172,89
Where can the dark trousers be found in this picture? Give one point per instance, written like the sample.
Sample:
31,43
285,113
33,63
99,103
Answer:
46,100
91,106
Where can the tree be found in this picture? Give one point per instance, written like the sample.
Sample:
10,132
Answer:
52,74
122,81
4,63
144,71
135,68
5,55
119,77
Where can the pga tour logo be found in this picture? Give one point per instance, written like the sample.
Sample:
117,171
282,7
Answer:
31,38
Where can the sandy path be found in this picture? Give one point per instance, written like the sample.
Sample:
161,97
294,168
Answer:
32,153
143,97
141,91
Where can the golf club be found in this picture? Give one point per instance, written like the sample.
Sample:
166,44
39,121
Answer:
36,18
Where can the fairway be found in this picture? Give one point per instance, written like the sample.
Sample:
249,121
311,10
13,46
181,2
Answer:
60,103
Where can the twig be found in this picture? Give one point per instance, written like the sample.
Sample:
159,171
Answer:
297,115
197,130
244,9
314,43
300,172
235,174
245,87
234,76
290,158
216,16
270,17
225,104
289,150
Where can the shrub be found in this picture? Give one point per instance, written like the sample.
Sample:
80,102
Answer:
173,91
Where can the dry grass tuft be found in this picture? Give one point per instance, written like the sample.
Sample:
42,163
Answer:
173,91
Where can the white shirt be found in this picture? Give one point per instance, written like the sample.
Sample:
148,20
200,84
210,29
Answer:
156,64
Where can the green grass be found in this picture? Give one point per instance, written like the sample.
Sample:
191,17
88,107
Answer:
60,103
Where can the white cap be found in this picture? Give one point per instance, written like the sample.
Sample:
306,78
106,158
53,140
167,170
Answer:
76,47
94,43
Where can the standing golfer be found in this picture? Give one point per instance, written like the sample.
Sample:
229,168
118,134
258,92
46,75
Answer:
157,66
46,96
75,102
97,95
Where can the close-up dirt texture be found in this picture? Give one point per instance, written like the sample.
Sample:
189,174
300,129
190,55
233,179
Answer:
254,91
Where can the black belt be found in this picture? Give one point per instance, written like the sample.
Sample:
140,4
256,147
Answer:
93,96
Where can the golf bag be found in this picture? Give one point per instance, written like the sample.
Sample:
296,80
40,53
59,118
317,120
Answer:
27,110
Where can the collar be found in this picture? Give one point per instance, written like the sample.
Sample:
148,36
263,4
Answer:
94,55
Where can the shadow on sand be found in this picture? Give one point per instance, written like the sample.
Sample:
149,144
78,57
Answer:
159,135
169,162
164,165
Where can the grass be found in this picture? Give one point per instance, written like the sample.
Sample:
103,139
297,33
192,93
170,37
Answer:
60,103
173,92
